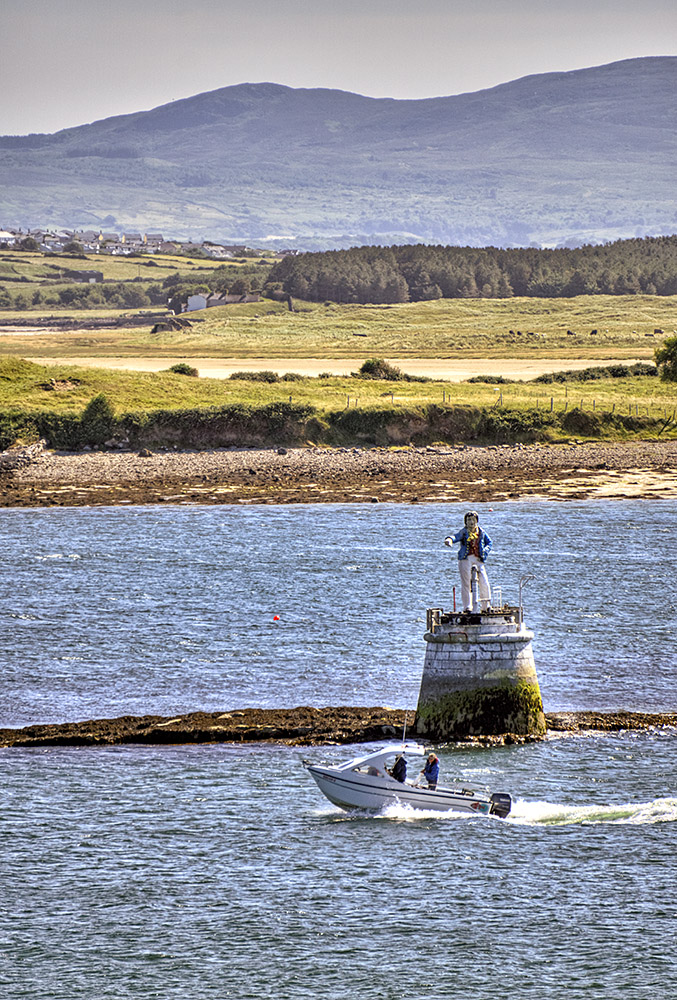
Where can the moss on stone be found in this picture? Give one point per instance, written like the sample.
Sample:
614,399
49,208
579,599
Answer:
507,707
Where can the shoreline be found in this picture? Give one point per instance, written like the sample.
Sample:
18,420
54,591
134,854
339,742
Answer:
33,477
301,726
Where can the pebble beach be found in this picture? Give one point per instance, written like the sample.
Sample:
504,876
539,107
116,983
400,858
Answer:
38,477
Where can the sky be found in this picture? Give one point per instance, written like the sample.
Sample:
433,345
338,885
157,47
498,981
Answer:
69,62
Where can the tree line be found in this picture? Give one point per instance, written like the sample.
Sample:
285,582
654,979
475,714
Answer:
378,274
135,293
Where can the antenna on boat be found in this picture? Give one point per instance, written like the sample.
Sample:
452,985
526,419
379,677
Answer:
404,728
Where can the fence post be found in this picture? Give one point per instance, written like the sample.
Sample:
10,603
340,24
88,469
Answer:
552,403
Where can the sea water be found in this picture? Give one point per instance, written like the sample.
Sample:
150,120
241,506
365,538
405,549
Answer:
114,611
219,871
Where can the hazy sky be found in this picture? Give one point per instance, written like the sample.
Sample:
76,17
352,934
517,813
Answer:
67,62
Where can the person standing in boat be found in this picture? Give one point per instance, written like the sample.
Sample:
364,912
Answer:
399,771
431,771
475,547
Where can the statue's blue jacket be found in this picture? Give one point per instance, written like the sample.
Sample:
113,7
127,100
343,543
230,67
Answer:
484,546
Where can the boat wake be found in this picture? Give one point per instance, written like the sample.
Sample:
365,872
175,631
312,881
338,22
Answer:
525,813
410,814
552,814
402,814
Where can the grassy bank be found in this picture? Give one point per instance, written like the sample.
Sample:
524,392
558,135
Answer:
76,407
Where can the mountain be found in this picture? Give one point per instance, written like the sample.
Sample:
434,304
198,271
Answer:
589,155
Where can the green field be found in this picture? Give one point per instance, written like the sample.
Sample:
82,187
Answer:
445,328
34,284
560,330
37,266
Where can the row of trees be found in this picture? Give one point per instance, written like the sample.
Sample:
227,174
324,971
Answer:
114,295
417,273
135,294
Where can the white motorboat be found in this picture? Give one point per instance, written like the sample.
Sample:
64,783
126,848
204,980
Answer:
366,783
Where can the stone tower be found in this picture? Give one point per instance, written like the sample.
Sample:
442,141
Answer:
479,677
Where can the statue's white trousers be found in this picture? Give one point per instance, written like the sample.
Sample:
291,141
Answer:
465,567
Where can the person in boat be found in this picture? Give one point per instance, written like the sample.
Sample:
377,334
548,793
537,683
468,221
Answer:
399,769
431,771
475,547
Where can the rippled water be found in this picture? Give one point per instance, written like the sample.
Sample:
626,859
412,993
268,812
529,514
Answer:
211,872
109,612
215,871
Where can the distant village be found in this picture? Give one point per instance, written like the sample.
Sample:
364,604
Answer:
88,241
91,241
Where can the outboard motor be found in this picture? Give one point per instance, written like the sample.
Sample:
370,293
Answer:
501,804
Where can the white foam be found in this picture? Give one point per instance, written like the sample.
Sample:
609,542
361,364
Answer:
397,812
526,813
408,814
555,814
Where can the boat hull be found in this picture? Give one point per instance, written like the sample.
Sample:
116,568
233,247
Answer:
364,792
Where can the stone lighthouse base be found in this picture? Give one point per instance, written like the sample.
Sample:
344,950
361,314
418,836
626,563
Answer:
479,676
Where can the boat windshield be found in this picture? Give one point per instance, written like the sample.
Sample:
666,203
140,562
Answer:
381,762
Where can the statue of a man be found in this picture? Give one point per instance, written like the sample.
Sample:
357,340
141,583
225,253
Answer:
475,547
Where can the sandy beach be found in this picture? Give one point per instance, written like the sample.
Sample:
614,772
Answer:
572,471
449,369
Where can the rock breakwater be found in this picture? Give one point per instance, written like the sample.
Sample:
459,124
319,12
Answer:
303,726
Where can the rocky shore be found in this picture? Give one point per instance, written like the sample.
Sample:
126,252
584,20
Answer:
295,727
576,470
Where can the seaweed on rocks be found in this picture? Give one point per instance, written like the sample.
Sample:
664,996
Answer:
301,726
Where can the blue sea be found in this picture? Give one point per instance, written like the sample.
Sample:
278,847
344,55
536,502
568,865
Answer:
218,871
